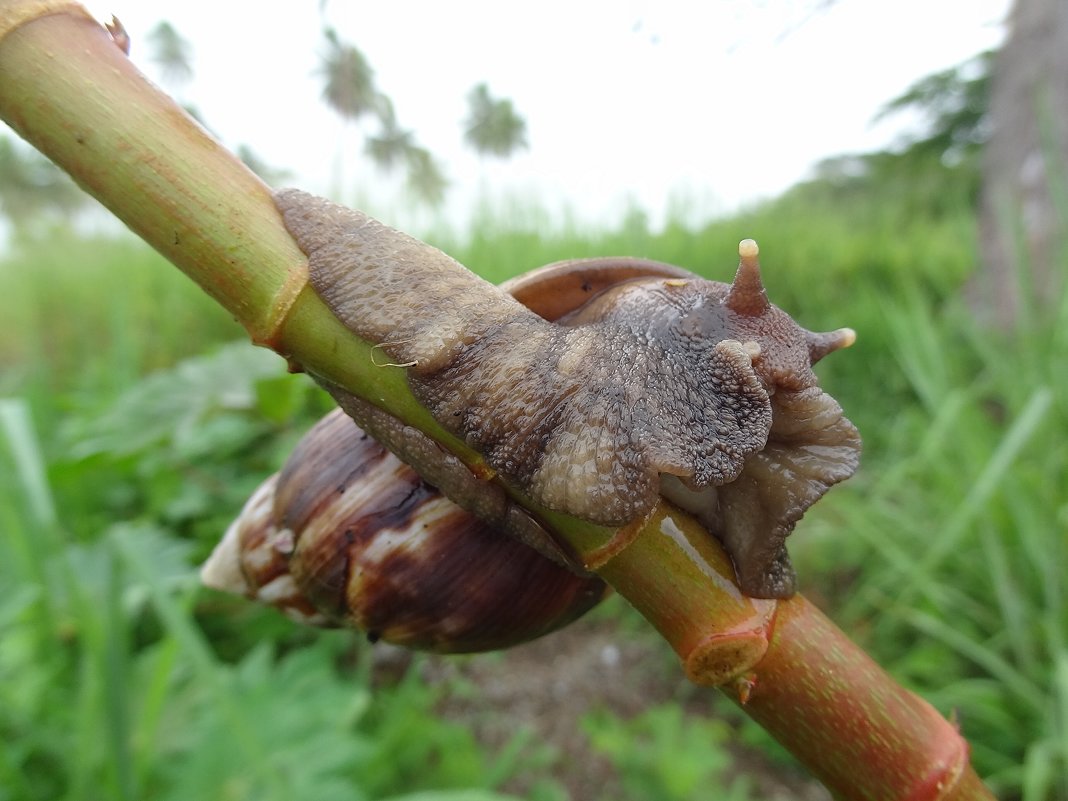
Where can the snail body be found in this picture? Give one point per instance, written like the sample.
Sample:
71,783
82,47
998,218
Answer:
594,387
660,384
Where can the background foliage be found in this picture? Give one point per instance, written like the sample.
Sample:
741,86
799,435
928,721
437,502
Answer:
132,428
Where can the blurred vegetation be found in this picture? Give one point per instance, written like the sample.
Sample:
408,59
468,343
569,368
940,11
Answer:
493,126
33,191
664,755
132,429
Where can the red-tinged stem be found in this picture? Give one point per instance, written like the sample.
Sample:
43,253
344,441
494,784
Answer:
848,718
809,685
69,90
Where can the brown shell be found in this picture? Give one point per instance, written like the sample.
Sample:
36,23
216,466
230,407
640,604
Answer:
696,389
346,534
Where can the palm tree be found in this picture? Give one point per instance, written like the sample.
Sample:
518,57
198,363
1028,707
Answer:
350,81
493,127
172,52
425,177
350,90
392,145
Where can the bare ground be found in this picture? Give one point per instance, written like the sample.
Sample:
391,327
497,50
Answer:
548,685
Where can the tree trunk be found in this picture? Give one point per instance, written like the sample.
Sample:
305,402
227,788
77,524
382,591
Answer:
1023,213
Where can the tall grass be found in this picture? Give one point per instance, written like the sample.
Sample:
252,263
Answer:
111,685
945,556
86,318
965,536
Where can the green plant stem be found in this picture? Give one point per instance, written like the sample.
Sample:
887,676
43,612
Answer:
69,90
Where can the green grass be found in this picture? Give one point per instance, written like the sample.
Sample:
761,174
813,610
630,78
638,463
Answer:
663,754
963,535
111,686
130,432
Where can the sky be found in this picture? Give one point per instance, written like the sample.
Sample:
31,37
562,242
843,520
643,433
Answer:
700,107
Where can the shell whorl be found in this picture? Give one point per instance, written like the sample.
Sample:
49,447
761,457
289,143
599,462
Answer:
347,535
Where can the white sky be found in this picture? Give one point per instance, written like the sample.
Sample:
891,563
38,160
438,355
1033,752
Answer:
718,103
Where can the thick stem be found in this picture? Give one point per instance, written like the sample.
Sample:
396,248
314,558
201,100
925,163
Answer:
69,90
126,141
866,724
810,686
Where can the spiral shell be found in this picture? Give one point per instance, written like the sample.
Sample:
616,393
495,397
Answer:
346,534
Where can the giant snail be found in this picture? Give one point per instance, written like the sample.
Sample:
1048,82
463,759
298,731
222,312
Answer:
592,386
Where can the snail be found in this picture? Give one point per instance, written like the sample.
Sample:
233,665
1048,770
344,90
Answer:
593,387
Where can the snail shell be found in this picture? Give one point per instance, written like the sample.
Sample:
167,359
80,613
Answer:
671,385
347,534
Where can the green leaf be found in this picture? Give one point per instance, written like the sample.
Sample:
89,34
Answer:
175,406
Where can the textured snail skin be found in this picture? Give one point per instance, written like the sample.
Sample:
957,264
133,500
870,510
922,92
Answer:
346,534
484,499
809,445
697,389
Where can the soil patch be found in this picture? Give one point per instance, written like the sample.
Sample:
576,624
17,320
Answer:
547,686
